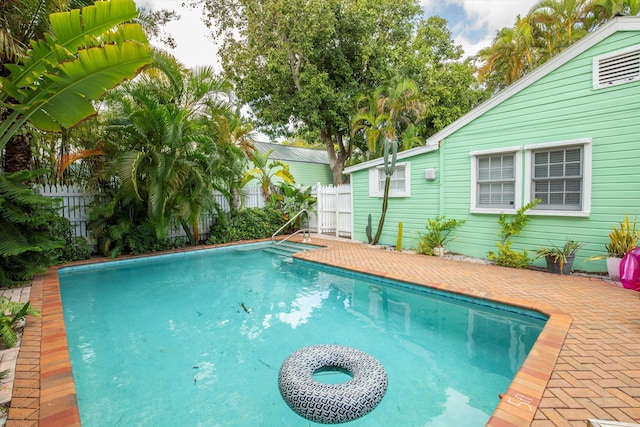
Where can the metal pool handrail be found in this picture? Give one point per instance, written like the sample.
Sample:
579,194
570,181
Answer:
305,231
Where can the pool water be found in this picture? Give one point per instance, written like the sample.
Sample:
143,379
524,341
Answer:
198,338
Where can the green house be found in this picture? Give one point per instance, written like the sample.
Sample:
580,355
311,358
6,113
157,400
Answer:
568,133
307,166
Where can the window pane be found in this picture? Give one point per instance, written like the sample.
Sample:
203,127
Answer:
496,181
573,185
573,199
557,178
541,171
556,170
556,157
541,158
573,155
541,186
573,169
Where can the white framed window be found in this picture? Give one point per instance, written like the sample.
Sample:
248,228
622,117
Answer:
614,68
399,185
559,174
496,180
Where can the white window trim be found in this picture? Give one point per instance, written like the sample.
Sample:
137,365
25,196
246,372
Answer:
586,176
517,151
596,68
375,173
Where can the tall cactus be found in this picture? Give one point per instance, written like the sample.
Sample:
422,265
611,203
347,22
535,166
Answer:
389,169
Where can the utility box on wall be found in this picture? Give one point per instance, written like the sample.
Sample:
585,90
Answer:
430,174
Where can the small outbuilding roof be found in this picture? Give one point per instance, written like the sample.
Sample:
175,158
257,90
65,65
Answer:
293,154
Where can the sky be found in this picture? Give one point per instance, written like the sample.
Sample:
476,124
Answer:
473,24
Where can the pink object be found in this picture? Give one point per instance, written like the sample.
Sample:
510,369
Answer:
630,270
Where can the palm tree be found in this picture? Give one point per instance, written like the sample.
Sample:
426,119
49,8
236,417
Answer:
166,157
384,118
265,171
372,121
387,113
235,136
511,55
604,10
560,23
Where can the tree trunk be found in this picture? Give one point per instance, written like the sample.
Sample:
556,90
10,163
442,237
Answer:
336,160
17,154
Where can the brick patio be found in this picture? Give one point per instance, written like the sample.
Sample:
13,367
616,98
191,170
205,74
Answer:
585,364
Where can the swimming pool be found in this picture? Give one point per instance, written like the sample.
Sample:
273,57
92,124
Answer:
198,339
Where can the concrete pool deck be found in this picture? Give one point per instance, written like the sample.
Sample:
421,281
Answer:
585,364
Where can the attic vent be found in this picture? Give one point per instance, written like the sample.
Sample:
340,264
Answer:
617,68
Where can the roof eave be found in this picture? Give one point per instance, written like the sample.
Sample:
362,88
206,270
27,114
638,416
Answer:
380,160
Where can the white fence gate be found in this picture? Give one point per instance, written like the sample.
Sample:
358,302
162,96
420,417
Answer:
332,216
334,211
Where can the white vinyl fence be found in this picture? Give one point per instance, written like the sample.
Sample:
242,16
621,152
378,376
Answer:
333,214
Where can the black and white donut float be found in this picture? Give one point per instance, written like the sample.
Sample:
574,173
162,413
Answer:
332,403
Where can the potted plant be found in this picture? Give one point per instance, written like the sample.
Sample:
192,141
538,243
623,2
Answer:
560,259
621,241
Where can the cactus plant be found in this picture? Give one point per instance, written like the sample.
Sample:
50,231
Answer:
389,168
399,239
368,229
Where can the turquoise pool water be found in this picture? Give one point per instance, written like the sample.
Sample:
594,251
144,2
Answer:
198,338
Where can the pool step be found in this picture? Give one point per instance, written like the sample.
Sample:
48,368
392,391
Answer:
287,249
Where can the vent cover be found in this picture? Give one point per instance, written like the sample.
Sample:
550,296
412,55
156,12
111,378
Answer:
617,68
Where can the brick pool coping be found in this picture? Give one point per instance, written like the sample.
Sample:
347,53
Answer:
585,364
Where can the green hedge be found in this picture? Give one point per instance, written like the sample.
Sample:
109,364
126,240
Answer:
246,224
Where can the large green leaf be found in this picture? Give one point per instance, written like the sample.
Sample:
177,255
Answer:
84,80
71,31
89,52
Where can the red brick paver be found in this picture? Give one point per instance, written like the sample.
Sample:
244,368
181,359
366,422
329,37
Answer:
585,364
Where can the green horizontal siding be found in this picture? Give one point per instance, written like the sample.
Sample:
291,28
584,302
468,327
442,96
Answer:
310,173
307,174
560,106
412,211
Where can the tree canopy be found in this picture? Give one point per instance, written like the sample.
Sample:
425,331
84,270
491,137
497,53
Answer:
301,66
549,28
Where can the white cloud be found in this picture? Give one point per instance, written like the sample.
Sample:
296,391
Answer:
194,44
494,14
477,21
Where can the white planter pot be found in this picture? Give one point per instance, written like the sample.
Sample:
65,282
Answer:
438,251
613,267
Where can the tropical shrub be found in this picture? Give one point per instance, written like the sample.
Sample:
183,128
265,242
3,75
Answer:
246,224
74,248
511,225
12,314
292,199
438,234
507,257
623,239
27,242
121,226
